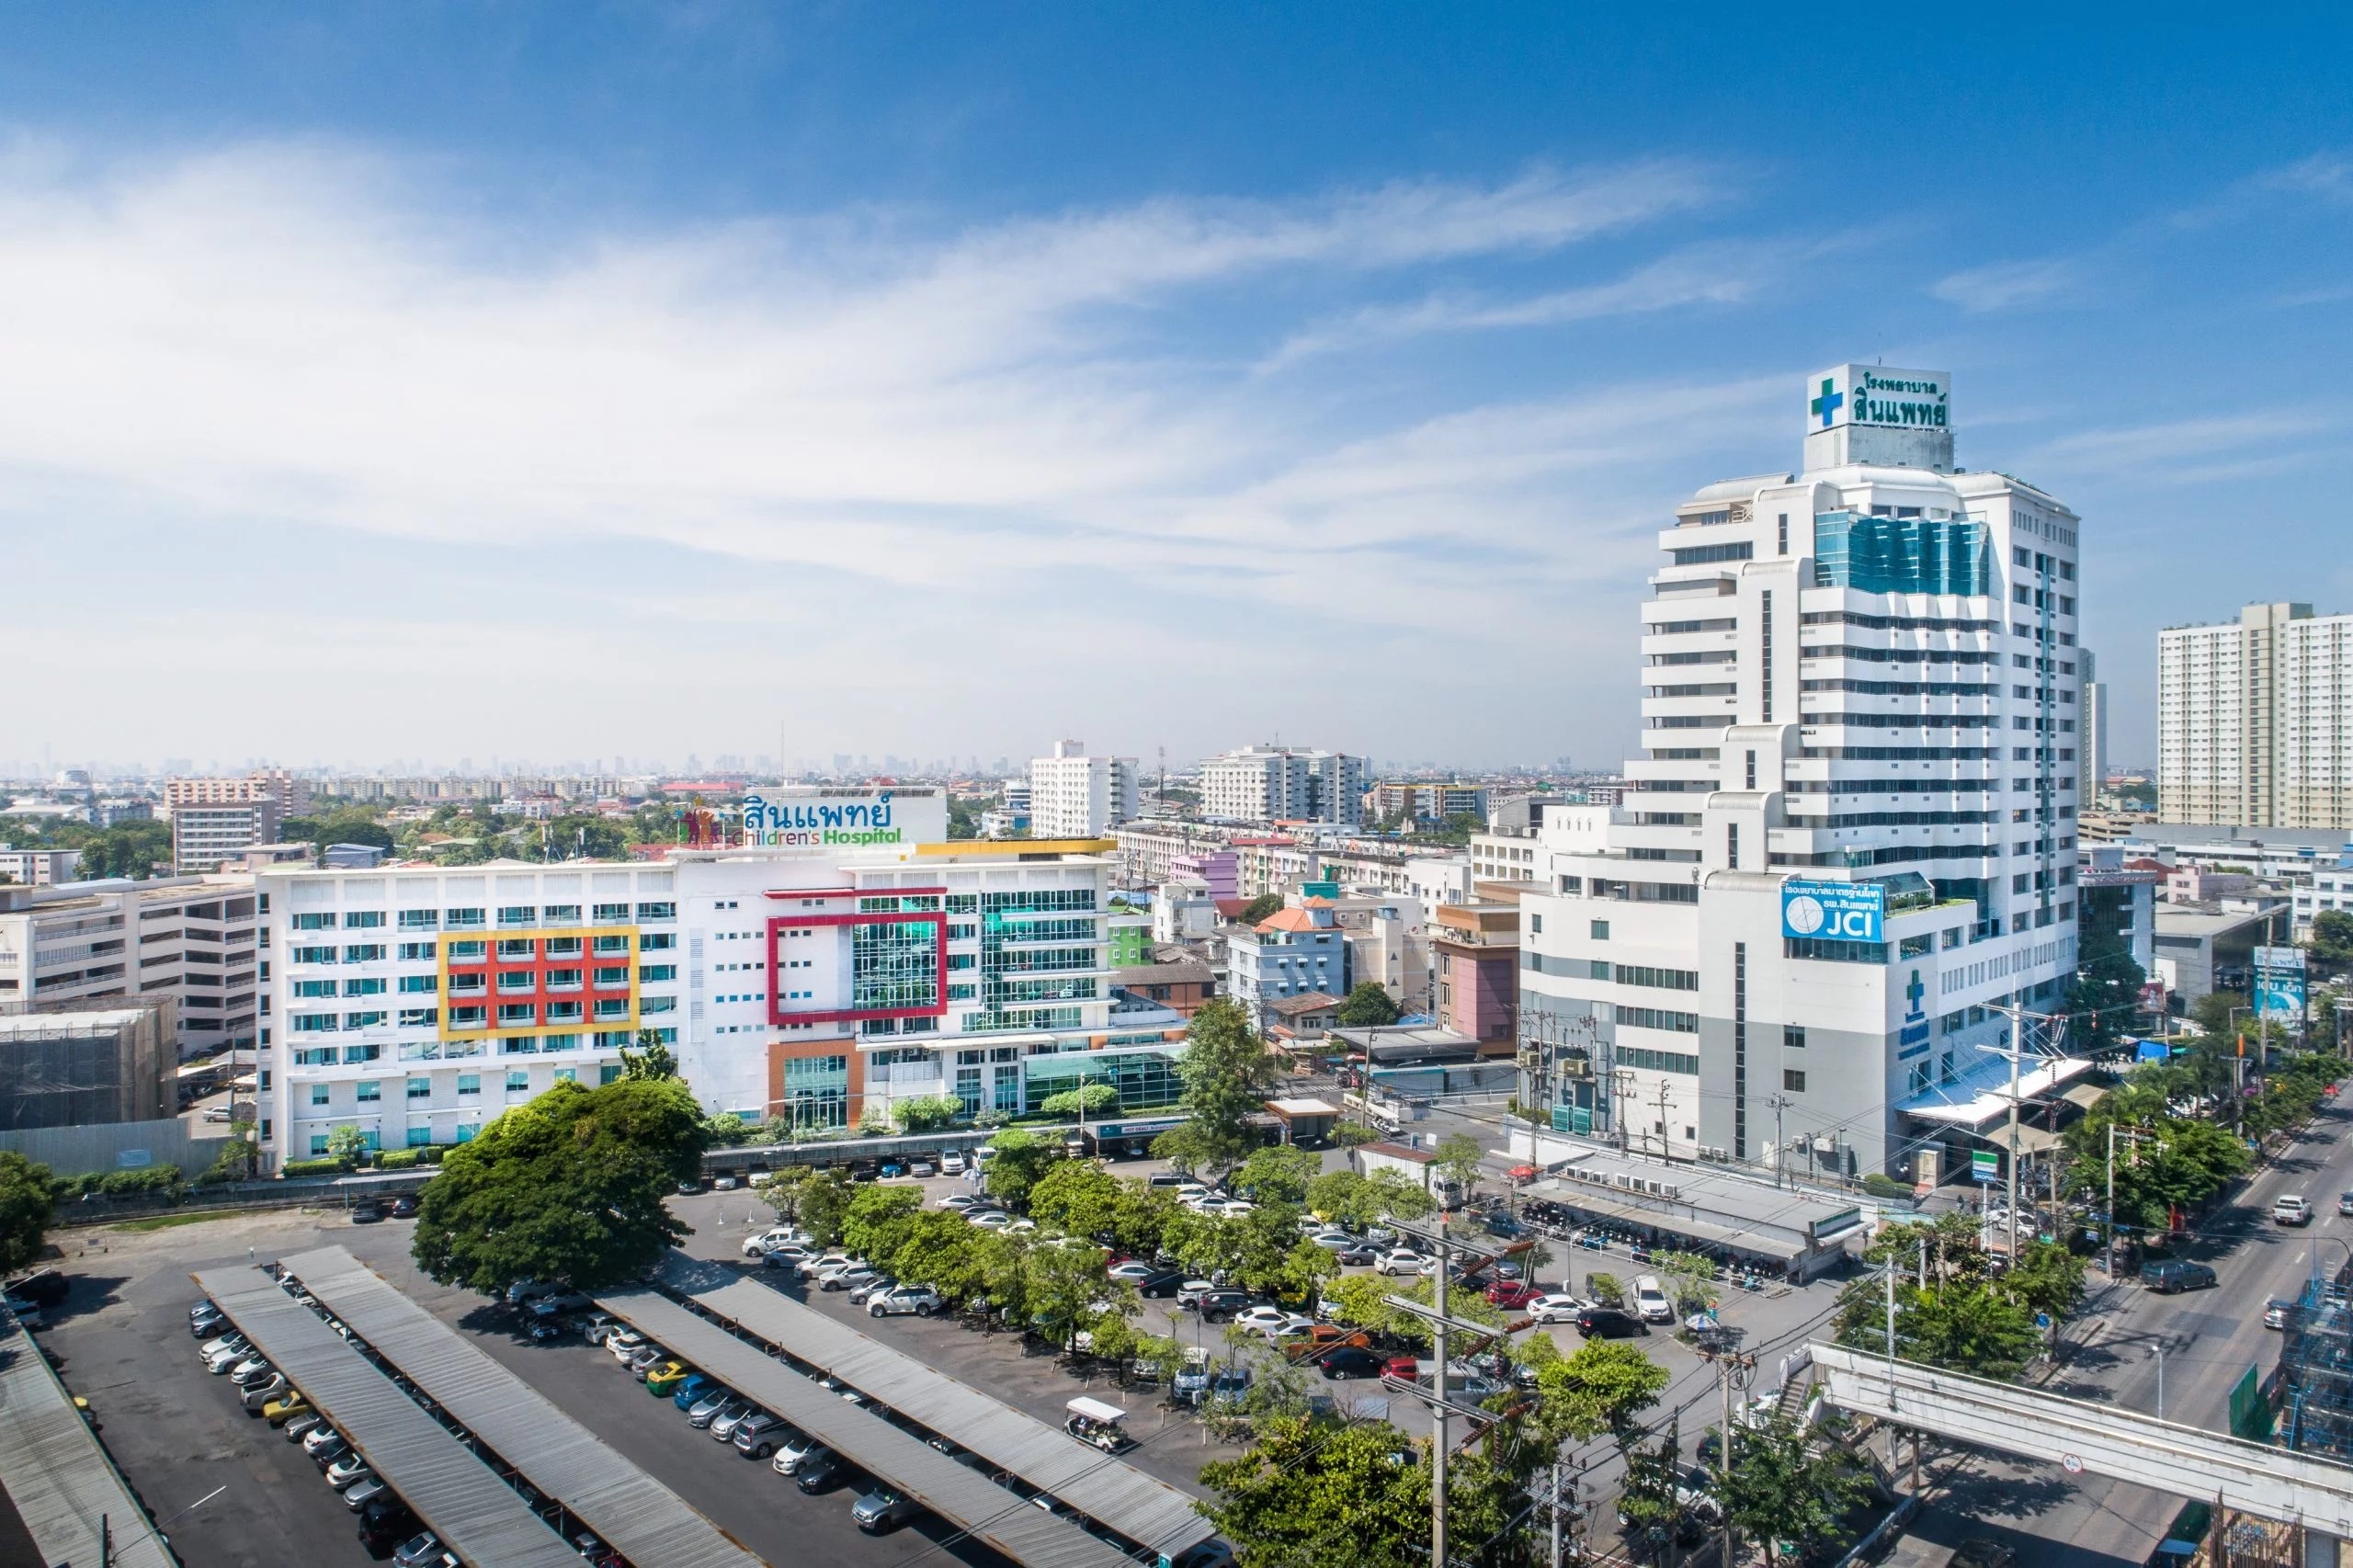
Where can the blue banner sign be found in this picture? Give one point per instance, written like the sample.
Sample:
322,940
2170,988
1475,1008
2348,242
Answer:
1837,912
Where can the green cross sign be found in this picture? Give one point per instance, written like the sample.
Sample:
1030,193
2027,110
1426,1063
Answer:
1827,404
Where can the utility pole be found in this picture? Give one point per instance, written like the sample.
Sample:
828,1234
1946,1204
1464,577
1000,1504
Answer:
1556,1511
1440,1384
2015,1051
1780,1102
1621,1080
1440,1397
1662,1117
1731,1372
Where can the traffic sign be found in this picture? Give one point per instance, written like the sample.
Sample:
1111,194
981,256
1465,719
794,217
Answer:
2072,1463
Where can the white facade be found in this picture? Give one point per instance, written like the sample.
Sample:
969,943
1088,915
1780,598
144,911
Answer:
38,867
1865,673
1072,795
2091,774
1283,784
2254,719
788,984
2330,890
190,938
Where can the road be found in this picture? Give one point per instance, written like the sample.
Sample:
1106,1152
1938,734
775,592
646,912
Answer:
2208,1339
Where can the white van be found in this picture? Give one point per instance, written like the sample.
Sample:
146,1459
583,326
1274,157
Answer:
1650,1300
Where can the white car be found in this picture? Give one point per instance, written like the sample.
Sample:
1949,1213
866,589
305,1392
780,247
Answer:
951,1164
961,1202
814,1266
1272,1321
989,1219
920,1300
1650,1300
1190,1193
624,1344
780,1235
1332,1240
1133,1270
791,1255
794,1452
1557,1307
1403,1260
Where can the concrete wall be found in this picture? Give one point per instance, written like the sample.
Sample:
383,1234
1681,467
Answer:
115,1146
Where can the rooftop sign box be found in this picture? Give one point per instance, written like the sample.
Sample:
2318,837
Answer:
1835,911
816,820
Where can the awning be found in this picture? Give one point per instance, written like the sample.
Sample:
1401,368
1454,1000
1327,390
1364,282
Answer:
1987,1092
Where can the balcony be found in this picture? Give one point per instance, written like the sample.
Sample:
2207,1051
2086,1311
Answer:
611,978
563,947
608,946
468,985
564,980
517,1015
521,982
563,1012
611,1009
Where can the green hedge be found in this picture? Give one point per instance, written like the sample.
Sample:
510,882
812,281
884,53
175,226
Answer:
312,1167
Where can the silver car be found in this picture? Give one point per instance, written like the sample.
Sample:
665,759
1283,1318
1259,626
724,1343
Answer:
723,1425
704,1411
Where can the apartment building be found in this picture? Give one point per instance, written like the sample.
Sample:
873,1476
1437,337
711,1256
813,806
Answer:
188,939
1270,783
1427,803
1296,951
1850,840
418,1003
2254,719
1072,795
219,820
38,867
2091,755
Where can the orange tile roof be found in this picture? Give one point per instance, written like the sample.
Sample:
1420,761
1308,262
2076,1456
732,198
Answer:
1289,920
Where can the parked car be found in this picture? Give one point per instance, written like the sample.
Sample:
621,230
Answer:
304,1425
1363,1254
2345,1203
880,1285
691,1390
1160,1284
1192,1376
205,1320
424,1550
722,1428
1402,1260
921,1169
847,1278
263,1394
404,1206
664,1380
559,1303
1609,1323
882,1510
795,1452
757,1434
1556,1306
345,1471
1133,1269
775,1236
1189,1293
726,1184
920,1300
2291,1209
524,1291
1349,1362
719,1406
792,1255
1272,1321
1404,1367
285,1408
647,1358
821,1471
325,1446
989,1219
1511,1294
597,1327
1333,1241
364,1490
252,1372
951,1164
625,1343
2174,1276
1981,1552
1650,1300
1220,1306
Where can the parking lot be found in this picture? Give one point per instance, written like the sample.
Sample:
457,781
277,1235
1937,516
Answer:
236,1493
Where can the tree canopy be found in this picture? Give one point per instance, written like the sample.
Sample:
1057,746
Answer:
1787,1489
1227,1072
1367,1005
27,1209
1260,908
1308,1493
1020,1160
570,1187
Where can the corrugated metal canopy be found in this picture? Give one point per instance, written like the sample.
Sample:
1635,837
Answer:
476,1514
644,1519
963,1497
1115,1493
58,1478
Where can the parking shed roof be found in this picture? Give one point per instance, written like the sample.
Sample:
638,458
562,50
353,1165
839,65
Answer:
476,1514
1116,1494
964,1498
643,1519
57,1477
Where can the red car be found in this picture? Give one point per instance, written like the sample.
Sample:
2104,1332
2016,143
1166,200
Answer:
1511,1294
1404,1366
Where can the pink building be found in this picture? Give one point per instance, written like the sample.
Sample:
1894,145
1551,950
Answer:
1220,870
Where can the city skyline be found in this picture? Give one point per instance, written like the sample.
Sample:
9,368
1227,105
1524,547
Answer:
714,377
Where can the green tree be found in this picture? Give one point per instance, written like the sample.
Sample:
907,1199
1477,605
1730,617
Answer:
568,1186
938,1249
1277,1173
1003,1264
1647,1494
1095,1099
1065,1281
2332,936
1205,1243
652,1062
1367,1005
1967,1326
2047,1278
1600,1390
1790,1489
1021,1159
826,1198
1688,1277
132,849
878,1219
926,1113
345,1143
26,1208
727,1130
1077,1195
1260,908
1308,1494
1459,1158
1227,1072
1142,1216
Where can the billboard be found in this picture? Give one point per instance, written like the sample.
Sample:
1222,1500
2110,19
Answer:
816,820
1840,912
2279,982
1878,395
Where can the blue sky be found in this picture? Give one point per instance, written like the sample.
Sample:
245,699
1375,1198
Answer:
565,382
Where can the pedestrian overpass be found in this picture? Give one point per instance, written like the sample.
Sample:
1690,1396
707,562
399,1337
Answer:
2084,1438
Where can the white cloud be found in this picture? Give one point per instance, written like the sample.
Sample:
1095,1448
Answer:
2007,285
907,423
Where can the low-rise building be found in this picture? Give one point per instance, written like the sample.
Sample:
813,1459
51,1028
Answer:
38,867
81,1066
2327,890
1474,955
1293,952
2207,947
1307,1016
1181,985
191,939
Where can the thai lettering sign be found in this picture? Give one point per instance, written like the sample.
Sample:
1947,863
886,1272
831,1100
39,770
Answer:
1836,912
1874,394
848,821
